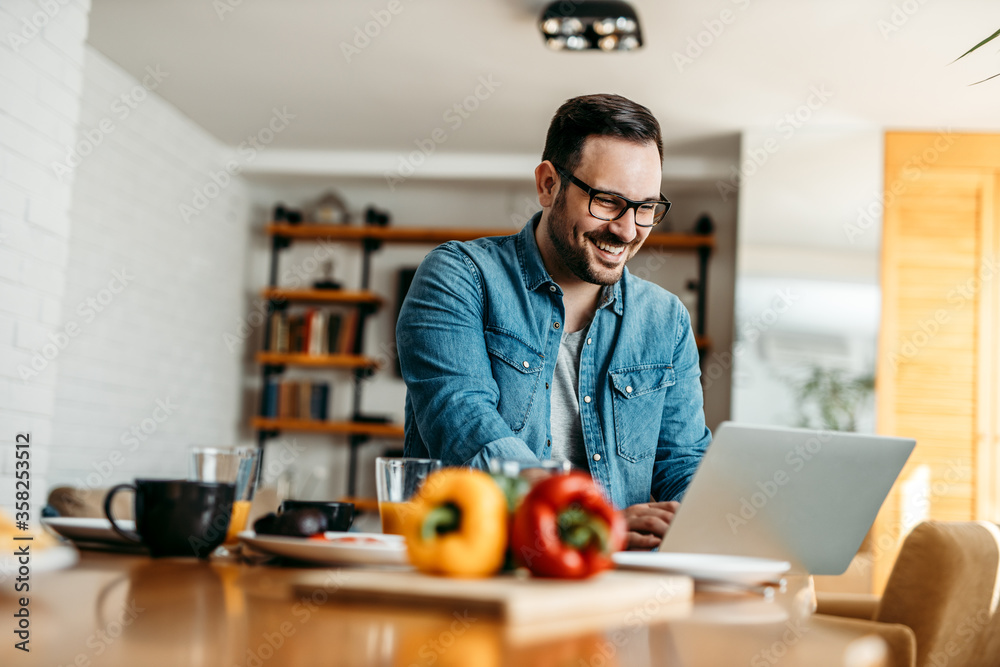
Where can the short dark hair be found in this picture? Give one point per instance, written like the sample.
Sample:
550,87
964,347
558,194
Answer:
602,115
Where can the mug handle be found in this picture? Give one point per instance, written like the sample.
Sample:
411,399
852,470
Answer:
130,536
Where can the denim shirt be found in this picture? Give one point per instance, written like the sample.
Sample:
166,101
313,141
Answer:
478,337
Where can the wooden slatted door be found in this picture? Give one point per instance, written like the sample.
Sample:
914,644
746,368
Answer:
937,369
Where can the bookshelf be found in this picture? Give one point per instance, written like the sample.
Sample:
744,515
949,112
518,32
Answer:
359,428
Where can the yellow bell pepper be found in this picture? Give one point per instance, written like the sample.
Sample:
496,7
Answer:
457,525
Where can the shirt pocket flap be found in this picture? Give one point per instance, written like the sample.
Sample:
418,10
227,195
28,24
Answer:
515,352
639,380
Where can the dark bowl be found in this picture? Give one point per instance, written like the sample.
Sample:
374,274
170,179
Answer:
339,516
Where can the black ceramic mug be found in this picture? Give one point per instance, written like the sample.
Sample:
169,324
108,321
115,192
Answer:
176,517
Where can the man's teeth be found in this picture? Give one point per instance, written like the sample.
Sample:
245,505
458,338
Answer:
612,249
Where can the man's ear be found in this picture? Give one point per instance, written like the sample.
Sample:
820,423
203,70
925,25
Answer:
546,183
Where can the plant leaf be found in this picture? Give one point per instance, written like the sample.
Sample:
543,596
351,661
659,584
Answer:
988,39
986,79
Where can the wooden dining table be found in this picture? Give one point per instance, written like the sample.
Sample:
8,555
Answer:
114,609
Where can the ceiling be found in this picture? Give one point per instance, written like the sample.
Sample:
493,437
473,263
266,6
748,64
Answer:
876,65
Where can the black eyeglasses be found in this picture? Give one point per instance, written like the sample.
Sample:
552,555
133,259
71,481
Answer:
608,206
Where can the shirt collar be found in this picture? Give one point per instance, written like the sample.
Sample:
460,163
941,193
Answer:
535,275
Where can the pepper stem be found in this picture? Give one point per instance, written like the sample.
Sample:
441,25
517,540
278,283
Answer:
445,518
582,530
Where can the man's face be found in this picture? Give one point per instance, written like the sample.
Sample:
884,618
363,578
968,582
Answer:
595,251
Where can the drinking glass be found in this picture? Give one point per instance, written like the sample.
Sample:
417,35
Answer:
235,466
396,482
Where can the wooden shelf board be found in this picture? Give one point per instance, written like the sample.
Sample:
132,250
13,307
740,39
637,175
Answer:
442,234
322,295
316,426
703,342
317,360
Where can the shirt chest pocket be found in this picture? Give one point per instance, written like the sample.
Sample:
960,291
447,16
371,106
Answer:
637,396
517,369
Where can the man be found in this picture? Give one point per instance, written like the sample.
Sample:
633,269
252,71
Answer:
542,345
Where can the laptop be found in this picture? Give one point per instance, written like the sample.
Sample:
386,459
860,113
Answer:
803,496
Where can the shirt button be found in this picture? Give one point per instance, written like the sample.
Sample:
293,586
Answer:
552,288
546,385
586,399
548,443
597,457
588,341
527,365
555,325
628,389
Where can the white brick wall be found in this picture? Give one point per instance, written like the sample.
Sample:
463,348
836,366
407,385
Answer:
40,67
149,372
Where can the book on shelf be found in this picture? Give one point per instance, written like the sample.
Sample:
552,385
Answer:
270,403
296,399
277,337
288,400
333,333
317,332
319,400
313,332
348,337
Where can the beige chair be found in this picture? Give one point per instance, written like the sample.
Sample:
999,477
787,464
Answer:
945,587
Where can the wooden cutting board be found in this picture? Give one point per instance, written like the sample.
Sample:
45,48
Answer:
614,597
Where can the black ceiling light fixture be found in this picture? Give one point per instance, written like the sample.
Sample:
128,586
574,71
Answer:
578,25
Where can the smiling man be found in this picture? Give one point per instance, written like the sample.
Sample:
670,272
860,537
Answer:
542,345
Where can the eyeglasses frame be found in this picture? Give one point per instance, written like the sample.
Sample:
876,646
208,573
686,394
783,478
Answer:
630,204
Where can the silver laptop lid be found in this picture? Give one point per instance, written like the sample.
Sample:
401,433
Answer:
805,496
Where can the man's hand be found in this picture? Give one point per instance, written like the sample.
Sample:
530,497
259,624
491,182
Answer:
648,523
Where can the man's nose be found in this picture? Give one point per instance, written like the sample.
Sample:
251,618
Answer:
624,227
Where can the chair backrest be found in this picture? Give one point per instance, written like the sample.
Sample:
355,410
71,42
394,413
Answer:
945,586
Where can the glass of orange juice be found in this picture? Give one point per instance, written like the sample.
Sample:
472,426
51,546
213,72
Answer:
397,479
237,466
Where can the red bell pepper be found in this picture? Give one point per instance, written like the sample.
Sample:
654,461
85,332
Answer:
565,528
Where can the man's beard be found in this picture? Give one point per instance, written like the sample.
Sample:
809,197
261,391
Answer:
576,259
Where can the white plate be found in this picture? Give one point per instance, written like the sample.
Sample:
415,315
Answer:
339,549
706,567
89,530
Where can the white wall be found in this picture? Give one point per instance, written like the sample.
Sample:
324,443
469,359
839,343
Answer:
41,77
153,294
